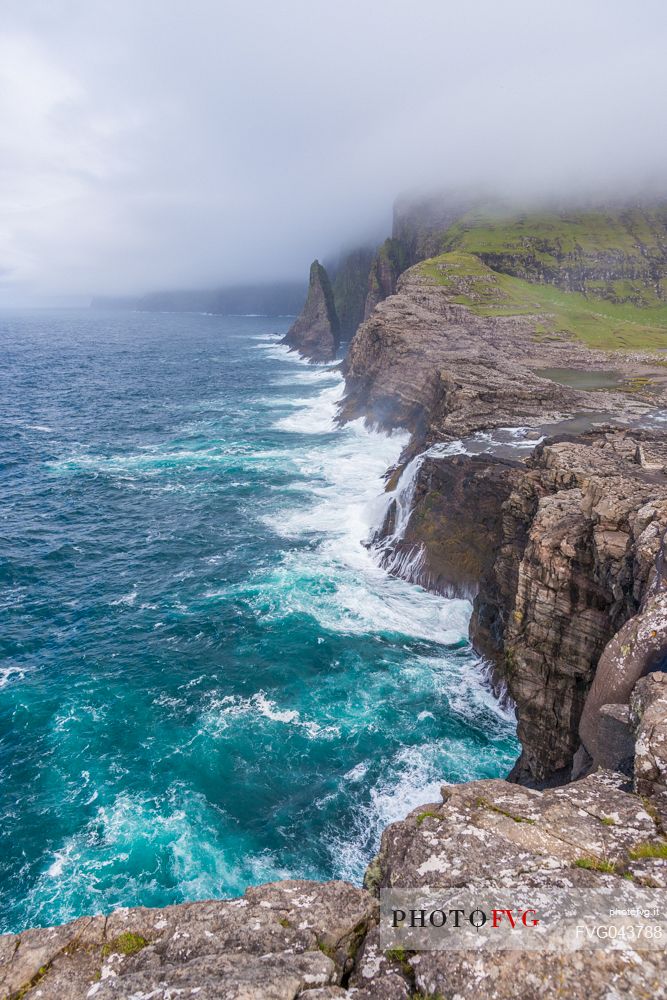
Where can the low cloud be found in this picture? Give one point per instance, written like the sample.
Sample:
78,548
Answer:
157,144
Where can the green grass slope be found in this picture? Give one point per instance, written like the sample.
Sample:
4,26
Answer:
563,315
618,255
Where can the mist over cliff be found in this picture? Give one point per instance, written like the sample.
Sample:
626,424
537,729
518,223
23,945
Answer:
147,149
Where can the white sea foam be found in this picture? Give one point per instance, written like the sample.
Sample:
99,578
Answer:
345,501
126,599
311,376
11,674
487,442
316,415
356,773
408,782
281,352
181,832
222,711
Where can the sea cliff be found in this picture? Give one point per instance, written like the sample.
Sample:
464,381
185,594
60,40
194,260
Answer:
554,534
542,496
315,333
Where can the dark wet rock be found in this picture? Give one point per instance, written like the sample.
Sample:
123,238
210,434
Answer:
350,289
447,546
391,259
315,334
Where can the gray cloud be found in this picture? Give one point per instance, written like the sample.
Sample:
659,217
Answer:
150,144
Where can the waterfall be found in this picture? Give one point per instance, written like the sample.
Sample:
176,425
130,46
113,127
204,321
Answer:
388,544
403,496
406,562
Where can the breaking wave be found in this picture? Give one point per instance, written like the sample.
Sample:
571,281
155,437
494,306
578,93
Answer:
213,680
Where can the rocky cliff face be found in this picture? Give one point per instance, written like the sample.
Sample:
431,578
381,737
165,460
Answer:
316,332
418,229
350,288
454,352
580,537
279,941
559,548
617,253
432,536
389,262
421,221
494,837
614,251
558,552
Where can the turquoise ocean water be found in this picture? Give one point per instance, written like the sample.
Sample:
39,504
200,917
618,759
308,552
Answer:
206,680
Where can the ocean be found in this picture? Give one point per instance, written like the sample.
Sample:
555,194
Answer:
207,680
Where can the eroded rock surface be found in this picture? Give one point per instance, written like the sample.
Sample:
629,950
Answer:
391,259
558,552
638,648
454,527
648,715
272,944
493,835
315,334
320,941
581,535
427,363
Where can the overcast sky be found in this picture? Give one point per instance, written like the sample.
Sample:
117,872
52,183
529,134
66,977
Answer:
150,144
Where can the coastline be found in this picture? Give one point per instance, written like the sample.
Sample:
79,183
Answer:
340,954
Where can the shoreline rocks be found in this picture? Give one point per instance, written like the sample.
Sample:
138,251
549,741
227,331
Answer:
563,550
556,548
274,943
557,552
300,940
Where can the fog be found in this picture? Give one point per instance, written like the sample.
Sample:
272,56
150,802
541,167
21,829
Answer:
151,144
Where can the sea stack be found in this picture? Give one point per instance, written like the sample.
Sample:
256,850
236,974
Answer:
316,332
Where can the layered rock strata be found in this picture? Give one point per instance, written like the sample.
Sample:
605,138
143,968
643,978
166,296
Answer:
445,545
639,648
558,552
425,362
592,517
391,259
558,548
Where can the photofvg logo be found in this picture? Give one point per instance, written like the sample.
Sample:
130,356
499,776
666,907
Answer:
620,916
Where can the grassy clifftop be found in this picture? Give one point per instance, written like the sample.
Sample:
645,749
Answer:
618,255
597,321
